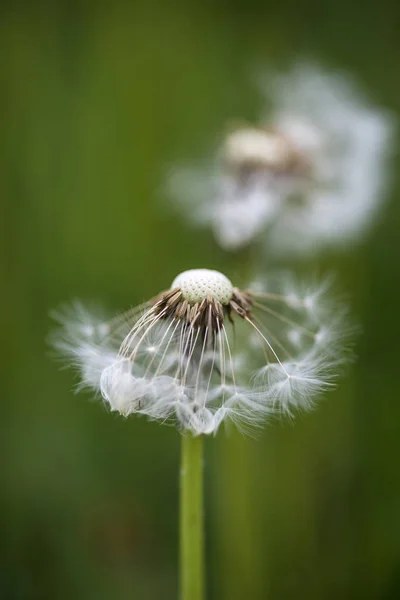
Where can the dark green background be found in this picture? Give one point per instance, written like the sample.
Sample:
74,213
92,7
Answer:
96,99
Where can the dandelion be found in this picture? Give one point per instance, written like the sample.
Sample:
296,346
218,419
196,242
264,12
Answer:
205,352
202,353
311,175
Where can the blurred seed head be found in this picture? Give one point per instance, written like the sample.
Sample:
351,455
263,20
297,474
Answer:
311,175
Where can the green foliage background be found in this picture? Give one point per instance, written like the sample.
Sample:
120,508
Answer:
97,99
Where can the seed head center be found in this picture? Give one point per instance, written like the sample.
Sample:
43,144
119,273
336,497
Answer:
198,284
256,146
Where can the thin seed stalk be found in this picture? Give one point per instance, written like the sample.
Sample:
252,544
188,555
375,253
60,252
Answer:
191,519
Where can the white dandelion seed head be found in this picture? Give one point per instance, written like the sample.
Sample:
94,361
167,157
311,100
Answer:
197,284
311,175
205,352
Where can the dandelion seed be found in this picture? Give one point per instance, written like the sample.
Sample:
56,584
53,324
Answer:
205,352
311,175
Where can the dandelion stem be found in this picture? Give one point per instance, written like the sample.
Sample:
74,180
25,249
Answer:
191,519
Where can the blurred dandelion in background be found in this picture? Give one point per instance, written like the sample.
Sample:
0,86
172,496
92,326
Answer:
204,352
310,175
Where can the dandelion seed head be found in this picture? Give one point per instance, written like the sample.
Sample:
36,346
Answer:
205,352
310,175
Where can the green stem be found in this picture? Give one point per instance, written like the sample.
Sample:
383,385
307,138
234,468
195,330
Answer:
191,519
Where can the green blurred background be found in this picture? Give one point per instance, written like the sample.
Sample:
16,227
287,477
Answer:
96,100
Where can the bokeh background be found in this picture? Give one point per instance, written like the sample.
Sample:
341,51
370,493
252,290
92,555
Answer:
96,100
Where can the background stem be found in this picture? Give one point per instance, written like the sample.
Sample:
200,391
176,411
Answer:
191,519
